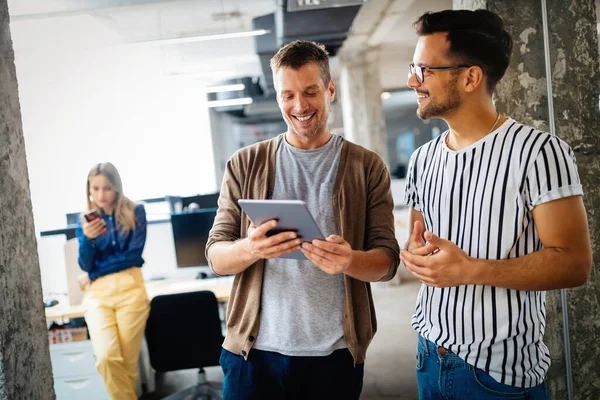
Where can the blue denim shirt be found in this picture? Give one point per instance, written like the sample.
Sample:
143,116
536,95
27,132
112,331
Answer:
112,251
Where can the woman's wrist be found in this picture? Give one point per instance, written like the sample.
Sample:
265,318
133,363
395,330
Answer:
91,241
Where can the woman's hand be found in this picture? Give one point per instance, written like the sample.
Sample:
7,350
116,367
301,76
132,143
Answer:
84,281
93,229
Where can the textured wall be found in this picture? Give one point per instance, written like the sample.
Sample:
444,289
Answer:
360,89
25,370
522,94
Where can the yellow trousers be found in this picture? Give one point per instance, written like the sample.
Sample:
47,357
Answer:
117,308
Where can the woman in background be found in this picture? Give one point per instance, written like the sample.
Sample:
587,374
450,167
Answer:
111,242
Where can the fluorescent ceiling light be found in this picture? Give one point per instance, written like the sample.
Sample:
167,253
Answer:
204,38
230,102
225,88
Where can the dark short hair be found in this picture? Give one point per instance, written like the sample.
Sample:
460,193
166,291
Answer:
299,53
476,37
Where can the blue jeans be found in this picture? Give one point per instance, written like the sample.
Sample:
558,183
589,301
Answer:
448,377
268,375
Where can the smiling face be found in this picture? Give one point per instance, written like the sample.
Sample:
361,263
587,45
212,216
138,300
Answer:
438,94
304,101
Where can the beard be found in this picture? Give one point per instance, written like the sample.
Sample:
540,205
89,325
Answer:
319,126
452,102
307,135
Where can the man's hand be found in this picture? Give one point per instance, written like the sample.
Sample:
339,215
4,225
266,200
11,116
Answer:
333,255
259,245
440,263
416,243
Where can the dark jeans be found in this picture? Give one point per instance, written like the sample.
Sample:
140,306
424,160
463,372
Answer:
449,377
268,375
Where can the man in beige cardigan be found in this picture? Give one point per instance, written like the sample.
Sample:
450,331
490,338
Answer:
300,329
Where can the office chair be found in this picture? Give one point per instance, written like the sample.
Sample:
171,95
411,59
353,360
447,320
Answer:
184,332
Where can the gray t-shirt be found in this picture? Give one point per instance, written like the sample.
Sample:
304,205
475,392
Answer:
301,305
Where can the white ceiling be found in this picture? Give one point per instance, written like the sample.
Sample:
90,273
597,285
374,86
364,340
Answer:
83,24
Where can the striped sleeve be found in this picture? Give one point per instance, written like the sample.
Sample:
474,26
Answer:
411,195
553,175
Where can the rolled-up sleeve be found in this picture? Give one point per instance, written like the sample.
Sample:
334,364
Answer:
226,227
380,231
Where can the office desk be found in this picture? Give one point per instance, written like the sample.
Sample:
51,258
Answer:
67,369
221,287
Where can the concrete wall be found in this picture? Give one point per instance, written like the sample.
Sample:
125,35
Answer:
25,371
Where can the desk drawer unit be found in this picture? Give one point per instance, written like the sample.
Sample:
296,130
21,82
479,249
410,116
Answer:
69,359
75,374
88,387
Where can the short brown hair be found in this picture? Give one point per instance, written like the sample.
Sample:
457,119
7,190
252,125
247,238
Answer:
299,53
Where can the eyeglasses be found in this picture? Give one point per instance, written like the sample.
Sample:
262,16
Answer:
419,71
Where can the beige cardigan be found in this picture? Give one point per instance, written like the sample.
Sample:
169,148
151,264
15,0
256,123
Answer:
363,208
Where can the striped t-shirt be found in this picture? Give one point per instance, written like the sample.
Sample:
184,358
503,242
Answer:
481,199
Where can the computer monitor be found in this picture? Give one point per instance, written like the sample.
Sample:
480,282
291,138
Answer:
178,204
190,234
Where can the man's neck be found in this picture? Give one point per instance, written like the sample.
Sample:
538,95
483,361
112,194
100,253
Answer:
471,124
304,143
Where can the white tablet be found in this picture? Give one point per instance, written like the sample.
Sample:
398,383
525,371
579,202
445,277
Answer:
292,215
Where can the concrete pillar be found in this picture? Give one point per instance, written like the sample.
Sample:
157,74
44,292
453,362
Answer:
25,370
336,114
522,94
362,109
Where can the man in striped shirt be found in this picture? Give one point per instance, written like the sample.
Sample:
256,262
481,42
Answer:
496,219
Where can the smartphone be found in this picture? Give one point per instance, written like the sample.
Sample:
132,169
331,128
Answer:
92,215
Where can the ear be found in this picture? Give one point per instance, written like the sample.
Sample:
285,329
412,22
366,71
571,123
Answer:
474,79
331,90
276,85
277,97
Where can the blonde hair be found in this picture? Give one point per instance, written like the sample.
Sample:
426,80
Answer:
123,207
